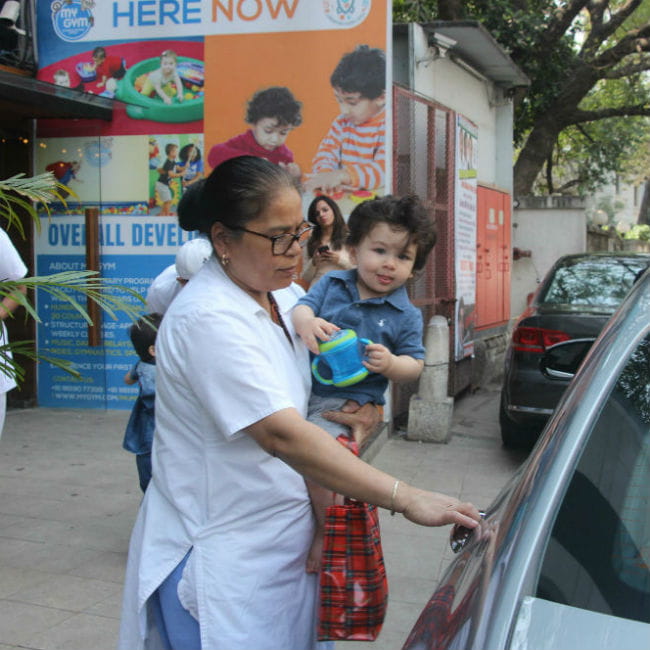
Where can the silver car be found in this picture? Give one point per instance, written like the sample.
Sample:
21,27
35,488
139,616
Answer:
562,557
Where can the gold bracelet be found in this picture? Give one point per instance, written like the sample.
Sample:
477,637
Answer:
392,498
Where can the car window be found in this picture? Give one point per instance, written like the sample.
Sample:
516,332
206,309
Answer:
602,282
598,557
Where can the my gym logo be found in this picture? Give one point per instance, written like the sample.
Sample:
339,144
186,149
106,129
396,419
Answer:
347,13
72,19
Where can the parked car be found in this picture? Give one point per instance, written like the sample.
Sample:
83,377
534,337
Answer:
562,557
575,300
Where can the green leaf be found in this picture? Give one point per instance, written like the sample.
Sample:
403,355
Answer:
24,195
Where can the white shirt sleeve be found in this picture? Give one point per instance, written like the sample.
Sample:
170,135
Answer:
12,268
11,265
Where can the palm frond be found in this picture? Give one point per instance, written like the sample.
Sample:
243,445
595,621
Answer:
63,286
11,367
29,195
21,193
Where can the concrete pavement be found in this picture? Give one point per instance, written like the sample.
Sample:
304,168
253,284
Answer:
69,494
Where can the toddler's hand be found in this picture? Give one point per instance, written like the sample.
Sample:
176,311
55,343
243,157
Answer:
379,358
316,328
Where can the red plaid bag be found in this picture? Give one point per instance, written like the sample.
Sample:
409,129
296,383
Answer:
353,584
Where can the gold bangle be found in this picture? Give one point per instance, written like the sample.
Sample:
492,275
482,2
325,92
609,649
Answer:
392,498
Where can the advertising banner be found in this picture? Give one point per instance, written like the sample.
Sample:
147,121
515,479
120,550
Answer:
196,82
465,220
133,252
86,20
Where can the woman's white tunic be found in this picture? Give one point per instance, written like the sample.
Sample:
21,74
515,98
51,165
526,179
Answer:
222,365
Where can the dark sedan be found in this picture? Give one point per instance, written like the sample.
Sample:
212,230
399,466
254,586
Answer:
574,301
562,557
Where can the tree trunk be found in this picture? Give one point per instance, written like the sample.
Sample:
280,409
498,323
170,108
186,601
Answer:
538,148
560,114
644,210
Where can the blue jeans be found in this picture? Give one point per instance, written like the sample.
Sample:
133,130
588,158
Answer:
178,629
143,463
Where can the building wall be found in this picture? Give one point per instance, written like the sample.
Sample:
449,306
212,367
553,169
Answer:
548,233
458,88
469,94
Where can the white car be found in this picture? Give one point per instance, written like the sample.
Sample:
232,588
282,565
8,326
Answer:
562,557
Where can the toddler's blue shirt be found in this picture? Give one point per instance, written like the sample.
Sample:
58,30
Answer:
391,320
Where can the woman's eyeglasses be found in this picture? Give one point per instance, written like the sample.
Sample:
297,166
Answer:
280,244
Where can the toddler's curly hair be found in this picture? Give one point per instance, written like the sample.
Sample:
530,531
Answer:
276,102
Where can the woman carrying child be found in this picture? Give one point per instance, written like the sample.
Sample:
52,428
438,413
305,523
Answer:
218,552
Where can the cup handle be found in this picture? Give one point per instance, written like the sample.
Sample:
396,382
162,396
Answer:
314,369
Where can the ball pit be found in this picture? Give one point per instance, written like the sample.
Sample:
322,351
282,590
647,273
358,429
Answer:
142,107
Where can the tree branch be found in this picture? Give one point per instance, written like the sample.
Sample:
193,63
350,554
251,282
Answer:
633,42
450,10
580,116
600,30
584,132
617,18
562,19
568,185
627,69
549,173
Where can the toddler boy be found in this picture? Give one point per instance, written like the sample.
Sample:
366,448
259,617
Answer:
389,238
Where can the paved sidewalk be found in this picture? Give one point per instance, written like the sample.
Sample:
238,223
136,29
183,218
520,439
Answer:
69,494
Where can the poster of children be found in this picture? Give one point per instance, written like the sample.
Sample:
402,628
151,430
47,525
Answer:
175,163
96,171
157,83
465,211
321,112
190,84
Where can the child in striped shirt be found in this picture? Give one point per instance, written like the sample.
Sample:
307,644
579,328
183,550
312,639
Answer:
352,154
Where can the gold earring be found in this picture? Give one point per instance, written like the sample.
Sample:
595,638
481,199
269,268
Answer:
224,260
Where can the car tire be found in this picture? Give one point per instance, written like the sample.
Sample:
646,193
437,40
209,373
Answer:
512,436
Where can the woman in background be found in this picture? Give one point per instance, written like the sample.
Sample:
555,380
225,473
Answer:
326,249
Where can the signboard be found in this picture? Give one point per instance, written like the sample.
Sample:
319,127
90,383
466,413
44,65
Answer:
186,74
465,205
86,20
133,251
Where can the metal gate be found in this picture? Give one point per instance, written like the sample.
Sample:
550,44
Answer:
423,164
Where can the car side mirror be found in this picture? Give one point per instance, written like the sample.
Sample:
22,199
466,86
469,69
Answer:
562,360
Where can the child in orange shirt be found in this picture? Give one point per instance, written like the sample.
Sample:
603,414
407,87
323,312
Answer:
352,154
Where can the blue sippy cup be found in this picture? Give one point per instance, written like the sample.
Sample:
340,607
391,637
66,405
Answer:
343,353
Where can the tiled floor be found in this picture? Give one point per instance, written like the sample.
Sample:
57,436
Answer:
69,494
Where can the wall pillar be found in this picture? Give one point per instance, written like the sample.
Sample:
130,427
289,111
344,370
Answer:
430,410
